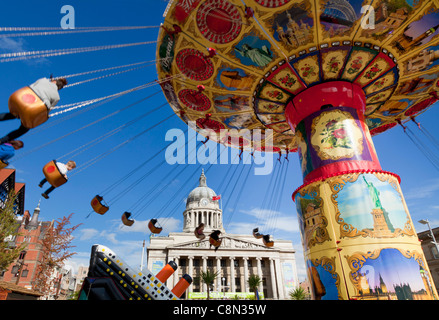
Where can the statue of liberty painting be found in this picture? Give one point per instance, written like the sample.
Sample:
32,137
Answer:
259,56
374,195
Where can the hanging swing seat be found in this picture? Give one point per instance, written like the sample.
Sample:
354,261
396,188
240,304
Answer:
152,225
256,233
28,107
98,205
126,219
267,242
199,232
214,238
215,242
53,175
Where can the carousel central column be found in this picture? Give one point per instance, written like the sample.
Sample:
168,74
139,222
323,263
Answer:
353,218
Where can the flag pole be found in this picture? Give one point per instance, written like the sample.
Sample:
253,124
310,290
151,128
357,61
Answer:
141,260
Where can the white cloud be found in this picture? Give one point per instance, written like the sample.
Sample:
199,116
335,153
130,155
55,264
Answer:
427,190
269,220
10,45
87,234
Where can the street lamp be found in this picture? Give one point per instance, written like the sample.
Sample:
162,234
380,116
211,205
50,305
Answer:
422,221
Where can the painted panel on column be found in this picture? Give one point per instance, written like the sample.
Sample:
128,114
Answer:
330,136
324,278
370,205
390,274
312,219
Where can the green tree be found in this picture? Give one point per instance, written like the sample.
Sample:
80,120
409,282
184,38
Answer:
9,226
208,278
253,282
297,294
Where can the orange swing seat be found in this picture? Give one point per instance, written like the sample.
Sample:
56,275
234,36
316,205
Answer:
214,242
152,226
3,164
53,175
267,242
256,233
28,107
126,219
97,203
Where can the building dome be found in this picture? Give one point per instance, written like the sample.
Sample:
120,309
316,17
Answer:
202,195
202,208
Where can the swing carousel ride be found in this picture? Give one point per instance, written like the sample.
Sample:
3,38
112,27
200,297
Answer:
316,77
319,78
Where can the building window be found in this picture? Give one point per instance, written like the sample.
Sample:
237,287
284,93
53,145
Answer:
196,262
182,262
22,255
209,262
249,263
236,263
262,263
223,263
434,252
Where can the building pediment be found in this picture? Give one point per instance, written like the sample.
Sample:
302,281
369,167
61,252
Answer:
227,243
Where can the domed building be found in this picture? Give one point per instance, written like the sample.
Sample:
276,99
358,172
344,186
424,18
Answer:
238,257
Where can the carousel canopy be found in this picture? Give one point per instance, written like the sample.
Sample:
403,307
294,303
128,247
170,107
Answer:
237,64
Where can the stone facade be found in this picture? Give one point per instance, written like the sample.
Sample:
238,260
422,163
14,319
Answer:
238,257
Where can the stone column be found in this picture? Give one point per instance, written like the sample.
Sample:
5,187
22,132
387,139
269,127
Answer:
204,269
279,278
219,276
273,278
175,274
232,274
245,286
190,271
258,263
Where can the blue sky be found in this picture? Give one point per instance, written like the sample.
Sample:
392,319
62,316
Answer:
420,180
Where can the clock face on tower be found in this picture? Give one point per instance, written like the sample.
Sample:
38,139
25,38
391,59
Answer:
204,202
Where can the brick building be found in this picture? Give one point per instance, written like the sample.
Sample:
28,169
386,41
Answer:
23,271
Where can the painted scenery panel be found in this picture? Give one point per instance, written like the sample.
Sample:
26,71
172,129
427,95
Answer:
312,220
377,275
324,279
370,207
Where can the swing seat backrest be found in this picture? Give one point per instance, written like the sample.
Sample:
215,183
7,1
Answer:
98,205
28,107
53,175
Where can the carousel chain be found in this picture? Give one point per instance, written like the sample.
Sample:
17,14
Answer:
63,31
102,70
104,76
16,56
76,105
